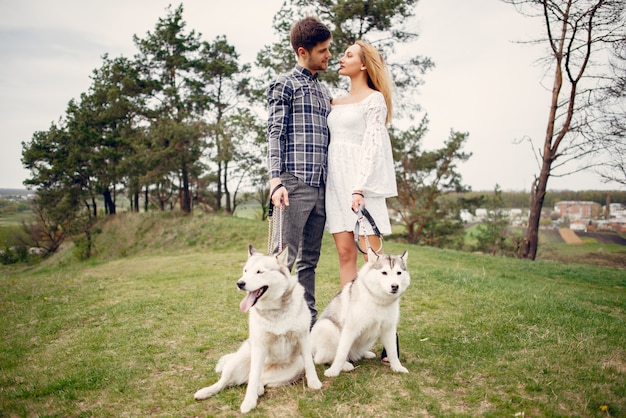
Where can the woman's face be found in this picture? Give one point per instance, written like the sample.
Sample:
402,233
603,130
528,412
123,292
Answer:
350,63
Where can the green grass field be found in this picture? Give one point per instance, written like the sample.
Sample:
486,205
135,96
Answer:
138,329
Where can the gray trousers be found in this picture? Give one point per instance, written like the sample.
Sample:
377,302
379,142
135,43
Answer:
302,231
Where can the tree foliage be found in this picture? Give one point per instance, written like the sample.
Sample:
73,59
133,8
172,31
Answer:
494,236
144,125
424,177
380,22
169,63
175,125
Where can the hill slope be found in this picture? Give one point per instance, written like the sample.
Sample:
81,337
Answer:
137,330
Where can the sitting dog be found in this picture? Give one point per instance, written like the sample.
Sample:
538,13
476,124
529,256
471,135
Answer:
278,349
365,310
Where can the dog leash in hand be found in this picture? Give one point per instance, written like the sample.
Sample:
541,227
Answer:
362,215
271,225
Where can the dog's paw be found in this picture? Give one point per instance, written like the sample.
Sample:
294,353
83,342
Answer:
347,366
204,393
368,355
261,390
314,383
247,405
399,369
331,372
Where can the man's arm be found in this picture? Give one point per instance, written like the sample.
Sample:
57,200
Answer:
279,107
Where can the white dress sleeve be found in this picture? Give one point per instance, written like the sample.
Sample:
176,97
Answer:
376,175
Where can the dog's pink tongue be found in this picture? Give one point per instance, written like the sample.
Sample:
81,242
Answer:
247,302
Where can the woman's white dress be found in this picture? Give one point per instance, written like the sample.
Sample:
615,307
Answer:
359,158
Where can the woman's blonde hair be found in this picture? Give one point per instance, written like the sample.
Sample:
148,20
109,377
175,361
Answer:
378,75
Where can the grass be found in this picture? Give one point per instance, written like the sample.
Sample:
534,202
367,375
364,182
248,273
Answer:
137,330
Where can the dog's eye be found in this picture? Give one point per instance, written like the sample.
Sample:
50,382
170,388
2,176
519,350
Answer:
258,272
399,273
384,273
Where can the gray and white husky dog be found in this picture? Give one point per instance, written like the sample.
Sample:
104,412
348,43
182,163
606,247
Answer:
365,310
278,349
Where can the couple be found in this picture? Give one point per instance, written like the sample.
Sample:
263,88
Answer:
329,155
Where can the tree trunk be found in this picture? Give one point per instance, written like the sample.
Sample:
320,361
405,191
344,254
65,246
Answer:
537,197
185,203
146,201
538,192
109,204
218,194
411,233
226,191
136,202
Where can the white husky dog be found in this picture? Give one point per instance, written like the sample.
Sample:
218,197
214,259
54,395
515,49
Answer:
366,309
278,348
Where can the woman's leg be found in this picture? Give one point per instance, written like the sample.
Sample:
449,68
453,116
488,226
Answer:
346,250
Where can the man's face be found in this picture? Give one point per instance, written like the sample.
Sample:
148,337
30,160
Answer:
317,59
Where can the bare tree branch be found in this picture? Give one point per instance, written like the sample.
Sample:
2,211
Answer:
577,33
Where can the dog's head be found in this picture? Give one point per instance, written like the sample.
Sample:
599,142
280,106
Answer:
265,278
389,273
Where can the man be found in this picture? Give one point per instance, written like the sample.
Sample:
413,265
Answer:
298,143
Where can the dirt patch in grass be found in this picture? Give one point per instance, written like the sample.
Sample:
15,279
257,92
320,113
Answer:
569,236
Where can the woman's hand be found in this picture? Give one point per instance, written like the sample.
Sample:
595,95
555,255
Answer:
357,199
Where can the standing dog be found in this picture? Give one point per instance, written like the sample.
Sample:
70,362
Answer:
366,309
278,348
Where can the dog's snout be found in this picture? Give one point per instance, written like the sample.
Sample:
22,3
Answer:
394,288
241,284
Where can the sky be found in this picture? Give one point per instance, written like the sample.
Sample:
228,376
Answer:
484,82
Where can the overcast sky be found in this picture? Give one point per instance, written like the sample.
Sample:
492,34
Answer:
484,83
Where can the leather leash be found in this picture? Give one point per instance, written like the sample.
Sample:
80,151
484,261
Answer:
362,215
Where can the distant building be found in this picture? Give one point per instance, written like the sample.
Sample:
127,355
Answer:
617,211
578,226
577,210
481,213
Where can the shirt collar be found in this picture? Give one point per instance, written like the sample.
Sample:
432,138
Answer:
306,72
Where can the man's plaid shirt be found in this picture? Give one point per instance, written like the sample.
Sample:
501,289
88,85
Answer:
297,131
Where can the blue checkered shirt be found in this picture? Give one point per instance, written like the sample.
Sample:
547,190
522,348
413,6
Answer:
297,132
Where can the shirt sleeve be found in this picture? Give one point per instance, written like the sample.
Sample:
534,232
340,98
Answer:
376,176
279,105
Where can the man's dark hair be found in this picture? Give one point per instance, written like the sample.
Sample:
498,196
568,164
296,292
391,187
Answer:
307,33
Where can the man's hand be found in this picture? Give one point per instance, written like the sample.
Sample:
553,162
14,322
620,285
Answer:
280,196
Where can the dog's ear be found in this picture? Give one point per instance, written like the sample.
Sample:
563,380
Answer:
252,251
283,256
404,256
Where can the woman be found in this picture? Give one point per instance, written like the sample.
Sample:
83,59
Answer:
360,160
